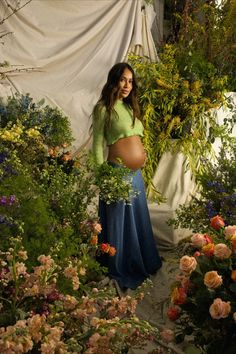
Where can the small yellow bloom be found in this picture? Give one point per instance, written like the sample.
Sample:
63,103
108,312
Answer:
32,133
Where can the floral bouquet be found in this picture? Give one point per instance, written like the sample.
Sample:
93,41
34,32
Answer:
204,295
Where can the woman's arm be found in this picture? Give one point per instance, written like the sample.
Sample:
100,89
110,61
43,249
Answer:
98,134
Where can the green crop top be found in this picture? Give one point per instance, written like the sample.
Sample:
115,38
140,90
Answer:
121,127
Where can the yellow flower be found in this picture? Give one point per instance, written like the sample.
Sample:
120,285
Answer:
32,133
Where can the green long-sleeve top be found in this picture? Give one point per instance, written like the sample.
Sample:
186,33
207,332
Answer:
120,126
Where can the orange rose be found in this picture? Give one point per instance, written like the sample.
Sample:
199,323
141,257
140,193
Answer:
112,251
217,222
212,279
219,309
208,249
178,296
233,275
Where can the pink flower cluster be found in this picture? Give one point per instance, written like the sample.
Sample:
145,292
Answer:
53,321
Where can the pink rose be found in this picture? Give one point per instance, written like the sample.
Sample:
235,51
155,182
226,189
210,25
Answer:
187,264
219,309
198,240
230,231
212,279
167,335
222,251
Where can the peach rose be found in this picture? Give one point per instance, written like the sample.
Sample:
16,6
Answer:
198,240
234,316
219,309
217,222
208,249
212,279
222,251
230,231
97,227
188,264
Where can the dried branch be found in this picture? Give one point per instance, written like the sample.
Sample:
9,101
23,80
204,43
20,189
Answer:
5,73
14,10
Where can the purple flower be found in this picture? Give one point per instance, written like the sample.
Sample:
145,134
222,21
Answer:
3,200
12,199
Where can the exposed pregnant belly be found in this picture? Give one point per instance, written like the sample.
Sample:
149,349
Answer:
129,150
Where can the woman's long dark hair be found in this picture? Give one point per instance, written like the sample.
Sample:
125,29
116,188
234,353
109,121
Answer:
110,92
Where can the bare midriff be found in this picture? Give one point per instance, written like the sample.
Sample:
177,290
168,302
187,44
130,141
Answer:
128,151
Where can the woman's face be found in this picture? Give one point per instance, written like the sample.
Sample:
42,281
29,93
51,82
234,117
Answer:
125,84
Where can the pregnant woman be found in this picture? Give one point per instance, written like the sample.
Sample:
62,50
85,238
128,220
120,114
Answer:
127,227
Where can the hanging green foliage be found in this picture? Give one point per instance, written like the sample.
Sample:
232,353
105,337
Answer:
177,110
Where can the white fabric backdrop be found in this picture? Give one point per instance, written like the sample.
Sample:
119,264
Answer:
73,43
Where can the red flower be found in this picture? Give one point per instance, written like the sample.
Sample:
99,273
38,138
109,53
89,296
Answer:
217,222
105,247
207,238
173,313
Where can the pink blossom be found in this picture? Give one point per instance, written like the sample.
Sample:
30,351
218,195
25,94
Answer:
222,251
198,240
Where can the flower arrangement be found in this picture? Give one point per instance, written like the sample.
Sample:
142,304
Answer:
203,299
216,193
37,316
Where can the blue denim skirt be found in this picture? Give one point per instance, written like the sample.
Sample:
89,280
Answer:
128,228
